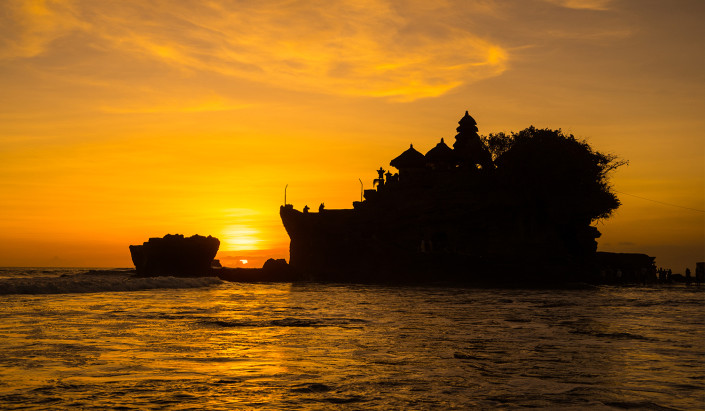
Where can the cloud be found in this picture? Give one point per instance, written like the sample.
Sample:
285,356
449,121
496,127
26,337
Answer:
401,51
214,103
29,26
583,4
590,34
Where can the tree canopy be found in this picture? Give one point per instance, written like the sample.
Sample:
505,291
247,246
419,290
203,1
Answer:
554,172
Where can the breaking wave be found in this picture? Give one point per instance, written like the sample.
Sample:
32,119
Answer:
93,282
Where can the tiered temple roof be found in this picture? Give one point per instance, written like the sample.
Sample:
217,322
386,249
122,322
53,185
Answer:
409,159
440,154
467,151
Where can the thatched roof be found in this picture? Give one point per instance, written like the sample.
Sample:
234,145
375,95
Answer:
409,159
440,153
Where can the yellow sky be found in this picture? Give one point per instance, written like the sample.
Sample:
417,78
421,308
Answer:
121,121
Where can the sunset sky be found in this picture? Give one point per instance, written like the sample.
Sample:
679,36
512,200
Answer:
124,120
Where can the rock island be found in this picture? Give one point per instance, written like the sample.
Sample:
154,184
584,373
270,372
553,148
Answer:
517,206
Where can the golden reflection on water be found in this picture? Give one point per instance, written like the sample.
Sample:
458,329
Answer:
317,346
646,349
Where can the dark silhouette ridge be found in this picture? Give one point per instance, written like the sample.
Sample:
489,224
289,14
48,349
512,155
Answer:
507,208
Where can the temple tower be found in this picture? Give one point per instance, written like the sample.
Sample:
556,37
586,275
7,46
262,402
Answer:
468,147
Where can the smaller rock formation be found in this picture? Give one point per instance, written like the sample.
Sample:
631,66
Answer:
272,271
175,255
277,270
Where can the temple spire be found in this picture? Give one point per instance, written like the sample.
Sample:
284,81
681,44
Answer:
468,147
467,124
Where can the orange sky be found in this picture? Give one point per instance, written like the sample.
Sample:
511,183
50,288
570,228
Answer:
121,121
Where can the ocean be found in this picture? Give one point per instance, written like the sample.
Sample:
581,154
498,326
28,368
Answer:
71,339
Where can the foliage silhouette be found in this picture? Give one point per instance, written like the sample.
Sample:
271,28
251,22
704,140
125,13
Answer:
556,173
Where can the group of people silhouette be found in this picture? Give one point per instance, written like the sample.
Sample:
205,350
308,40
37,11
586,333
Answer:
320,208
667,276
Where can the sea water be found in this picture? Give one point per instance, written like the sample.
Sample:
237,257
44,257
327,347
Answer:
102,340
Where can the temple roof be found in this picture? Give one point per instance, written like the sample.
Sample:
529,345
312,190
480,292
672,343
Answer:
467,118
441,152
409,159
467,123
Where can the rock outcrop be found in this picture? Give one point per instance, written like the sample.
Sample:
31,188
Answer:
175,255
272,271
503,208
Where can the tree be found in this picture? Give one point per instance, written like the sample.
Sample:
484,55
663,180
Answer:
556,173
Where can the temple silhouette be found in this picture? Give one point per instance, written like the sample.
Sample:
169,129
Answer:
518,206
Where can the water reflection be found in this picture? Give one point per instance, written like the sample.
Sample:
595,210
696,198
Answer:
282,346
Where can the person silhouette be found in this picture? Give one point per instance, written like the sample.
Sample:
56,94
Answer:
306,209
321,207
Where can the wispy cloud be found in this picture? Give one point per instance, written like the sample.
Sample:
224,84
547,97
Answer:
191,106
583,4
364,48
29,26
600,35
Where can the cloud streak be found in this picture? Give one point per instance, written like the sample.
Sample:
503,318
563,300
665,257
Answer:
598,5
30,26
358,48
214,103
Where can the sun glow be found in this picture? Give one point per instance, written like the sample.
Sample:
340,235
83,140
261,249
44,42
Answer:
142,118
240,237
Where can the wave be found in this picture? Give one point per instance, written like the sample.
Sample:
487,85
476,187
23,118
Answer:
614,335
291,322
92,283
